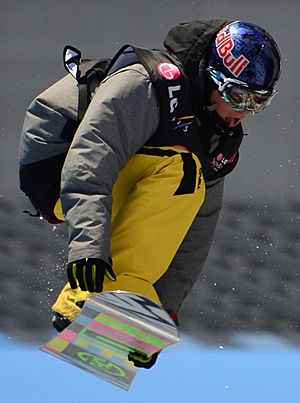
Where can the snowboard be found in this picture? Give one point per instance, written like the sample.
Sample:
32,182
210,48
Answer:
111,325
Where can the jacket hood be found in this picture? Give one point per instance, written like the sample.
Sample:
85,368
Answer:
189,42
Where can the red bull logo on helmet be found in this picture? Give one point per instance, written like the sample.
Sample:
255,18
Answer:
225,45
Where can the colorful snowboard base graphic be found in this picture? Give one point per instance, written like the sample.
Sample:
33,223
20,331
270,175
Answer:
111,325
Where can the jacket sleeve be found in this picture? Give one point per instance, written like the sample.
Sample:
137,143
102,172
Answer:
122,116
175,285
45,121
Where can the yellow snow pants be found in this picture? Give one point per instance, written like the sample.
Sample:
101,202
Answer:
155,199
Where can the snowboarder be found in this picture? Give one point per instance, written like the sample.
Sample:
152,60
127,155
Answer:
142,183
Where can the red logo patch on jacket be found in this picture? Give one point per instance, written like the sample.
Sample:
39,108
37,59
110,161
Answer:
168,70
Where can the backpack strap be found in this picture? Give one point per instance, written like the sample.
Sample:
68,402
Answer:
169,80
86,72
92,72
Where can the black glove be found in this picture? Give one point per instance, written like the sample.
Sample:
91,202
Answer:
142,360
89,274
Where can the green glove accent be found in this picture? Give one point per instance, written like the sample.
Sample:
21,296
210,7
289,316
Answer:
142,360
88,274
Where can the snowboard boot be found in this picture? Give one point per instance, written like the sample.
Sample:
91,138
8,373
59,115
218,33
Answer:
59,322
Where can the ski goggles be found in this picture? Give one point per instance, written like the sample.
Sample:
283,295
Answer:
239,95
